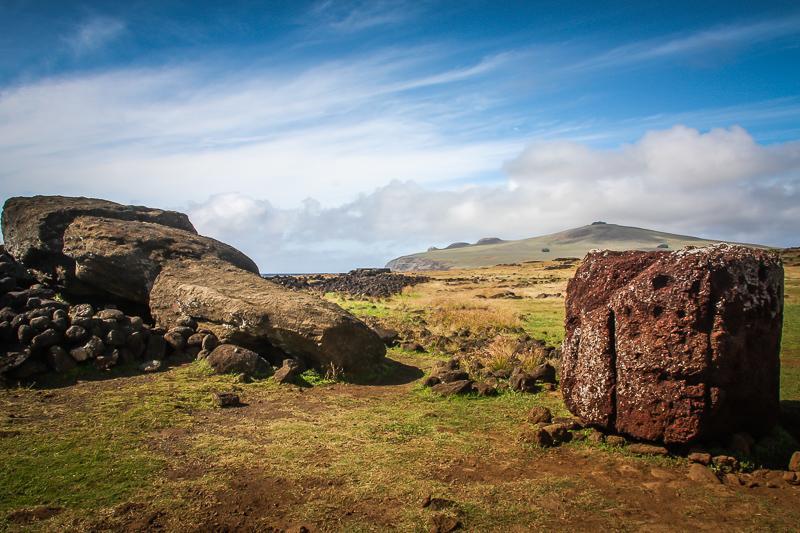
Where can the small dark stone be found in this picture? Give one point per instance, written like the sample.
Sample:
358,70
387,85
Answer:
539,415
558,432
75,333
430,381
412,347
25,333
452,375
6,331
463,386
183,331
538,437
227,399
175,340
156,347
40,323
188,322
522,382
111,314
287,372
545,373
195,340
82,311
232,359
648,449
210,342
136,343
59,360
115,337
484,389
151,366
46,339
441,523
7,284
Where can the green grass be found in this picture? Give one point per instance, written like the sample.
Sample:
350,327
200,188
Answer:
361,308
92,451
790,342
544,319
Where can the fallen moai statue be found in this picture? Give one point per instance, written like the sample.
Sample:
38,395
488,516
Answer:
675,346
134,255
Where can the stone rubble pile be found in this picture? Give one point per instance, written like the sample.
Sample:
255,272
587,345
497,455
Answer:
453,377
41,333
362,282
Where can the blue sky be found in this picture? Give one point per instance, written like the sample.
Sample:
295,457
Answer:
326,135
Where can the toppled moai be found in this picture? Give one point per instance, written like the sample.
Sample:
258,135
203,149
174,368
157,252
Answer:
675,346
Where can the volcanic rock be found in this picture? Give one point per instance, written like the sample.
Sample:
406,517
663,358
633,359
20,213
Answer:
244,309
794,462
701,474
675,346
522,381
124,258
647,449
231,359
545,373
539,414
287,372
463,386
33,227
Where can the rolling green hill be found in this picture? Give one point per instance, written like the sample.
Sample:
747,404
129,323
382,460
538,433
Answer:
570,243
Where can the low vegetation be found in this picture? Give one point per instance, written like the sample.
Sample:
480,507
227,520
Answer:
155,451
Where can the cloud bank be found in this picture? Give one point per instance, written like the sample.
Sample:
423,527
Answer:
718,184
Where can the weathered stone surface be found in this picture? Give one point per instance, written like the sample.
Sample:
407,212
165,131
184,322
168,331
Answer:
675,346
647,449
537,436
701,474
703,458
231,359
539,414
463,386
794,462
287,372
242,308
33,227
124,258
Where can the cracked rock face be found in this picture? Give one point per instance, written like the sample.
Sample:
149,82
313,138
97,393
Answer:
675,346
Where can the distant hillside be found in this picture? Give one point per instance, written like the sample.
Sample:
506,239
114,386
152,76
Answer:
570,243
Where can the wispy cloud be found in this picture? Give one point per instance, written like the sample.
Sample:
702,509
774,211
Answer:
332,130
716,39
350,17
94,34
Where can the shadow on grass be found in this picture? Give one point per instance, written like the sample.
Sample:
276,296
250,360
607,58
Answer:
92,373
389,372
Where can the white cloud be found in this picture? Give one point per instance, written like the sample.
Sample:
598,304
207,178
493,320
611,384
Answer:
94,34
719,184
329,131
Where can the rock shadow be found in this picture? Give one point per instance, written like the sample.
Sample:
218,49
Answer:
390,372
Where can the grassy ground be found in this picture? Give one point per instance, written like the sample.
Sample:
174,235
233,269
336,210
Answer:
147,452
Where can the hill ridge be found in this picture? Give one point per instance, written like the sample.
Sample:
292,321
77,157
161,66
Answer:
573,242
